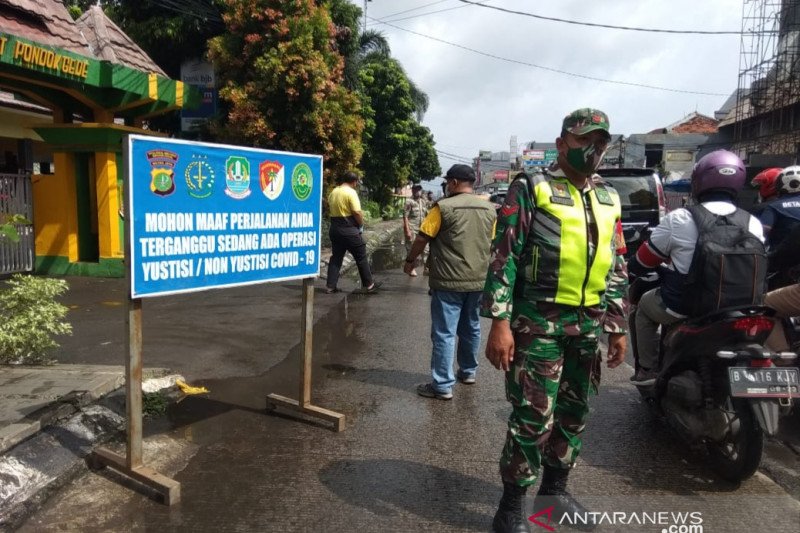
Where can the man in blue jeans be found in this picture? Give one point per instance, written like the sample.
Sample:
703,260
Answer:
459,229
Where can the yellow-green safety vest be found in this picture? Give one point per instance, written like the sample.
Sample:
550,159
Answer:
559,267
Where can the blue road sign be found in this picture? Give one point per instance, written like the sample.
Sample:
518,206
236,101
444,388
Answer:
206,216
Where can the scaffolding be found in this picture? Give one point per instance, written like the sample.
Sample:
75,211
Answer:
767,109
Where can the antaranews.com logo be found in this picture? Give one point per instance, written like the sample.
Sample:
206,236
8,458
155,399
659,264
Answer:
670,522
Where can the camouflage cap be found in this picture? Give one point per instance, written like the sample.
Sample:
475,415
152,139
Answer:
582,121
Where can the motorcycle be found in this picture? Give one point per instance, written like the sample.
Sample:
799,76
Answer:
717,385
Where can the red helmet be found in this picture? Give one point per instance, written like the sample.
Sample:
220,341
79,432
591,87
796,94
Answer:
766,181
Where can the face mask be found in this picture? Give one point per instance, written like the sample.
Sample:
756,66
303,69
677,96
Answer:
584,160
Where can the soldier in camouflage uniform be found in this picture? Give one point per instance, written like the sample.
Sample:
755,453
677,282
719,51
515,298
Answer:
413,213
556,282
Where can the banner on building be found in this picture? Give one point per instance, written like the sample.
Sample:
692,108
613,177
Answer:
538,157
199,74
206,216
501,175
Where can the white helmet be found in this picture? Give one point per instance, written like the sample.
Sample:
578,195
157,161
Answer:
789,180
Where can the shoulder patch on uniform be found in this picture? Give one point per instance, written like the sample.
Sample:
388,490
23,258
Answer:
508,210
603,196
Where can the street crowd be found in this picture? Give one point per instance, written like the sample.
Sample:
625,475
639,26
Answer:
549,269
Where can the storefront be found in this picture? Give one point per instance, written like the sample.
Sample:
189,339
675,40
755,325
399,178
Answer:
96,87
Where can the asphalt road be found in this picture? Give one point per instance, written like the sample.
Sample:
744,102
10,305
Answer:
404,463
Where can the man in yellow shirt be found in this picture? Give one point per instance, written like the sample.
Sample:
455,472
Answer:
345,234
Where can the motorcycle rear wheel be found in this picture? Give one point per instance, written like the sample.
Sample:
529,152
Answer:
738,456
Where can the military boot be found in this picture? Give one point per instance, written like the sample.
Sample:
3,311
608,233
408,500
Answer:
553,493
510,516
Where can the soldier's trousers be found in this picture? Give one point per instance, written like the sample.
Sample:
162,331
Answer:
548,387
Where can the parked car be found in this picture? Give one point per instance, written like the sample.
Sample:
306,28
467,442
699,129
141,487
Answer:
643,201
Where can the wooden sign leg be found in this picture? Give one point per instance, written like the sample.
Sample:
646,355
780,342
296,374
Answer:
131,465
304,404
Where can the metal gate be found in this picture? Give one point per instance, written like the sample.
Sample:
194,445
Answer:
16,198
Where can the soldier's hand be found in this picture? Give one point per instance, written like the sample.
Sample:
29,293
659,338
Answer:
500,345
409,236
617,348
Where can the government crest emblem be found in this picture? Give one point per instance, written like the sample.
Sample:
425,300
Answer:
271,178
302,181
162,173
560,193
199,175
237,177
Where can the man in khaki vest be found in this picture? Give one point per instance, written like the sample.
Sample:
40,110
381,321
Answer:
459,229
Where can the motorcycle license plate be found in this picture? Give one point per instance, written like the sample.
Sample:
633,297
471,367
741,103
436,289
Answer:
764,382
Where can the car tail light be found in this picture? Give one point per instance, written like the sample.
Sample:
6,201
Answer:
752,326
760,363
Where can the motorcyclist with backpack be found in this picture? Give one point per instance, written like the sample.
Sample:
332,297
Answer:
781,215
688,287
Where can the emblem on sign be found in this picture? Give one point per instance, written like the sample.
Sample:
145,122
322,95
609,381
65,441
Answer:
237,177
199,177
302,181
271,178
162,175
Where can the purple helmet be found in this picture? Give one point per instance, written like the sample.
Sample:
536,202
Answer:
720,170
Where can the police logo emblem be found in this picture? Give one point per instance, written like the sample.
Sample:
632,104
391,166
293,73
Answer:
271,178
162,174
302,181
199,177
237,177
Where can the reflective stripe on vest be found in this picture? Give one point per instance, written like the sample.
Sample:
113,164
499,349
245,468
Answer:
560,269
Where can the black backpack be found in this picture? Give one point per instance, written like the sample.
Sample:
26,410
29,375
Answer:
729,266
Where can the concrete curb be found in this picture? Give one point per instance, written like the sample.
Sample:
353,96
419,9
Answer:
36,468
62,407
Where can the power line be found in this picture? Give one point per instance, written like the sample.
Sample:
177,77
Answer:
415,8
384,19
557,71
609,26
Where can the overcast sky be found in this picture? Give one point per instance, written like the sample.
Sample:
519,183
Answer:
478,102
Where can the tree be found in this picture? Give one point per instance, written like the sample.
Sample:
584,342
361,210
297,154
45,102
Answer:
169,34
390,126
280,77
426,162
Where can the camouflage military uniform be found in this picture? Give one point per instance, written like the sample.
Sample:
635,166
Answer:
556,360
415,211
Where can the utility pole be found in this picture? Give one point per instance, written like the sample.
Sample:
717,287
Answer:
365,16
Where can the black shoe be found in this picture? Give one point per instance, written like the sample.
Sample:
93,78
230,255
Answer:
510,516
374,288
565,509
427,390
329,290
644,377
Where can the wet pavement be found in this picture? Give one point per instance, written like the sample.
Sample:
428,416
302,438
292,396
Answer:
404,463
